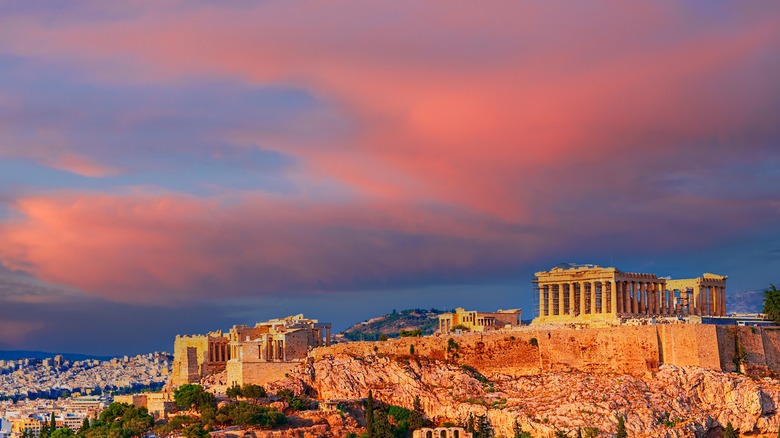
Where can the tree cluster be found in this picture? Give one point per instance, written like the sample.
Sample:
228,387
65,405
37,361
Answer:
416,333
388,421
119,420
248,414
246,391
293,401
772,303
478,426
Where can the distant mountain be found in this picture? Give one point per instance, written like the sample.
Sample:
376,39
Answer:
392,323
748,301
22,354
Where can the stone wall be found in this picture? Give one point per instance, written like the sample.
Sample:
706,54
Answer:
627,349
296,344
760,346
188,353
689,345
258,373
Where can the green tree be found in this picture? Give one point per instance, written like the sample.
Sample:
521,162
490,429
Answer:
248,414
561,433
621,427
411,349
234,391
190,396
253,391
84,425
381,425
729,432
518,432
469,425
44,433
195,430
293,401
120,420
482,427
417,416
53,423
370,414
62,432
772,303
591,432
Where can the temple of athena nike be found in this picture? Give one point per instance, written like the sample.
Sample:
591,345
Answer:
590,293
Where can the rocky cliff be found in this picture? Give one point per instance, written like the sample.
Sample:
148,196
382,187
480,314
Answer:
672,402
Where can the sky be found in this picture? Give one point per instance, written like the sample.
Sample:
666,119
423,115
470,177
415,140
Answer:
184,166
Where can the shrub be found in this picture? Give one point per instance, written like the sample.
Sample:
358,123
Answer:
410,333
293,401
248,414
534,342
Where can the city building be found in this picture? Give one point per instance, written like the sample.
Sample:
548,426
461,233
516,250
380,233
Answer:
590,293
5,428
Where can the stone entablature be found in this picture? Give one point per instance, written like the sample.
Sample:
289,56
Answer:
441,432
479,321
591,293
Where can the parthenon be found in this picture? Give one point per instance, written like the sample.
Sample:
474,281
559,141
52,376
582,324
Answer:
586,293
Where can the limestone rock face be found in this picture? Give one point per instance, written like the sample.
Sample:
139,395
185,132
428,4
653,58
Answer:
673,402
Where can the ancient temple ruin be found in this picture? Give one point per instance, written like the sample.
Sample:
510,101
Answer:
589,293
474,321
248,354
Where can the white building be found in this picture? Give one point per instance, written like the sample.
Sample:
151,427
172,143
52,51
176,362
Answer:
5,428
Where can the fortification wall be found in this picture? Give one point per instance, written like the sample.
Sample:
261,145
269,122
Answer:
258,373
623,350
771,341
689,345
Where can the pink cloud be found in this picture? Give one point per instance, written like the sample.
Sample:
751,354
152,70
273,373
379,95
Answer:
484,137
15,333
168,249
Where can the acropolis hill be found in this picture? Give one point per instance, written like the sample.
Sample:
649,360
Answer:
636,348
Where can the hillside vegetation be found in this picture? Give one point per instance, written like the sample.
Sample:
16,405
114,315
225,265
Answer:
391,324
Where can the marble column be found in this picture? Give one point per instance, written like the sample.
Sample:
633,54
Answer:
581,286
626,297
665,300
592,295
713,301
697,293
640,308
561,310
571,298
541,302
652,298
613,296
